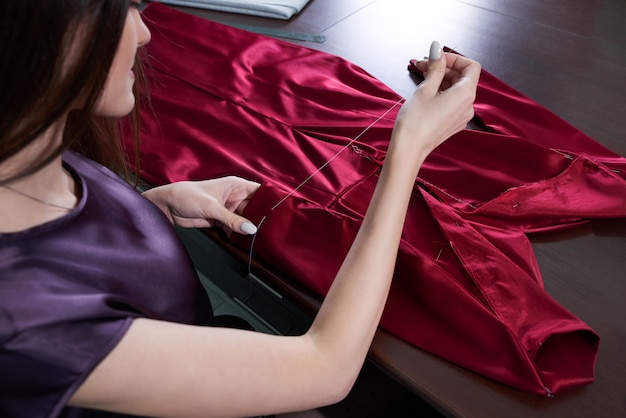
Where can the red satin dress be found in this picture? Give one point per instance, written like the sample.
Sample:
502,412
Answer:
467,286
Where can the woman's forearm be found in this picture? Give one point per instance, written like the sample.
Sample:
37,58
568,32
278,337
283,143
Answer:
345,324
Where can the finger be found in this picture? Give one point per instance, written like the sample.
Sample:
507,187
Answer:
239,193
241,207
419,66
460,69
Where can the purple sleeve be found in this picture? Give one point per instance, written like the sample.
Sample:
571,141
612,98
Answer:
43,366
70,288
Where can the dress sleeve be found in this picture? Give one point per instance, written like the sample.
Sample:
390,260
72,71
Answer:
50,344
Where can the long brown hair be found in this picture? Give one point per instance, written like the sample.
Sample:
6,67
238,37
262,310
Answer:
39,81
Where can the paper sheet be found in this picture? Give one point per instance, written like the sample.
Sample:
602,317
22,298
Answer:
277,9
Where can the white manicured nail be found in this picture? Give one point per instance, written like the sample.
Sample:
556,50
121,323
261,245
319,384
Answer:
248,228
435,51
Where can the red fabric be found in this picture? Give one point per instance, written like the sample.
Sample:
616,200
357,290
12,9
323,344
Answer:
467,286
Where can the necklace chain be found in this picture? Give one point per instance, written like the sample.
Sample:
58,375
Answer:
36,199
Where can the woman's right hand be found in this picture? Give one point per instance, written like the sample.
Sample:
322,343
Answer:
442,104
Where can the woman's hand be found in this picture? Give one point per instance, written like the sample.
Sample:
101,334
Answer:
208,203
442,104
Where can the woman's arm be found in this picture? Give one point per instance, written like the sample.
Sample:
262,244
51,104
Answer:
166,369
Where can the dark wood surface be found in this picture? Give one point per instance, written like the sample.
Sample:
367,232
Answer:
569,56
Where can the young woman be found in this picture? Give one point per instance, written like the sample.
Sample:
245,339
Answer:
100,307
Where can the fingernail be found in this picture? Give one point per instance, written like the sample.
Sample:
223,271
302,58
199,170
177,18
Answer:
248,228
435,51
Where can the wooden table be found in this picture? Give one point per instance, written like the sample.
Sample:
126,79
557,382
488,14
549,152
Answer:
569,56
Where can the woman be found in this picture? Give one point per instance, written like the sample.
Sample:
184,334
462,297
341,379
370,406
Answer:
101,308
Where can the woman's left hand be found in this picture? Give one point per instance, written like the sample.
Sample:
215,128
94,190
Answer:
205,204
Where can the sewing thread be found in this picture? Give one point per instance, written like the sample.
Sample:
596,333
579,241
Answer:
320,168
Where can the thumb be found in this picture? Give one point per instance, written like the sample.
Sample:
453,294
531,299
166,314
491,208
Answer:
436,68
241,225
233,222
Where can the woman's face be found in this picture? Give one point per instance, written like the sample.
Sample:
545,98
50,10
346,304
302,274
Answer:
117,96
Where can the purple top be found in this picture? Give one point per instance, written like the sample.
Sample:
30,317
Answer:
70,288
